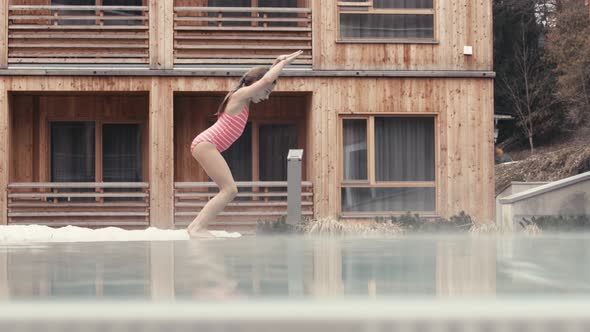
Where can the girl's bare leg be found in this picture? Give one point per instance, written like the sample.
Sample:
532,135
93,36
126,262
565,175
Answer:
216,167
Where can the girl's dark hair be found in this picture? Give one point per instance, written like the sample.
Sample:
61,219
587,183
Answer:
249,78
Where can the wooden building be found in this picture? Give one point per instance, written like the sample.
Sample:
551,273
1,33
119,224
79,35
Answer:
392,102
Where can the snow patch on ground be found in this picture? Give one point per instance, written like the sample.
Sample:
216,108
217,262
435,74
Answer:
38,233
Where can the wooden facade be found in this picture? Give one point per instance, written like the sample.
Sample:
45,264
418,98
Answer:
183,71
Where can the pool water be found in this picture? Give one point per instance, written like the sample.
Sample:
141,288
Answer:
299,268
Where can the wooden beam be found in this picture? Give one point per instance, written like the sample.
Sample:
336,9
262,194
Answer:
71,185
161,34
161,154
204,72
4,33
4,150
4,288
162,270
256,153
98,170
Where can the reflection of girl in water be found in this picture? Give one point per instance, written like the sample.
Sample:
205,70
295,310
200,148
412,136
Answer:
212,281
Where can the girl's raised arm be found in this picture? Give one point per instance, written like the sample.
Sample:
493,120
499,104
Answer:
268,78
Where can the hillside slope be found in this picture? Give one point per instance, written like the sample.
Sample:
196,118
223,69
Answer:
549,164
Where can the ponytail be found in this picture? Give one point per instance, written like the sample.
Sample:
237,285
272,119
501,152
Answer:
249,78
221,107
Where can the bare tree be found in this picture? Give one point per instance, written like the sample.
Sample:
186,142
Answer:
529,89
568,45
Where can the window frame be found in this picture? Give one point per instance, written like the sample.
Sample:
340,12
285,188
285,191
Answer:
371,181
372,10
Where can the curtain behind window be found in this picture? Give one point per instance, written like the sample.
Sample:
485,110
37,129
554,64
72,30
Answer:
386,26
404,149
275,142
121,151
239,156
354,153
72,151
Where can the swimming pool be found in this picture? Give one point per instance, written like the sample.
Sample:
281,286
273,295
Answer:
249,283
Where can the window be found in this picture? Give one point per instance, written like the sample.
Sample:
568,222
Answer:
121,157
387,20
110,16
73,148
239,156
388,164
72,152
273,141
241,18
65,13
274,148
121,153
122,13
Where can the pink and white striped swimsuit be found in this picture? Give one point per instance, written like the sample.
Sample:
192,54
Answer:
224,132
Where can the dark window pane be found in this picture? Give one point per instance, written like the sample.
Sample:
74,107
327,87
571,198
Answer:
387,199
121,151
231,3
121,3
275,142
72,152
91,12
279,4
404,149
386,26
354,149
239,156
392,4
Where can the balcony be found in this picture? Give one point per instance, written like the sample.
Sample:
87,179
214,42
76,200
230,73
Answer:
256,201
79,204
240,35
78,34
176,36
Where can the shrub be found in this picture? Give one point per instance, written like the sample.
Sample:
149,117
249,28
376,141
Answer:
559,223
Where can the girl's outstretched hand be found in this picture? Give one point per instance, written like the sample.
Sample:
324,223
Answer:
289,57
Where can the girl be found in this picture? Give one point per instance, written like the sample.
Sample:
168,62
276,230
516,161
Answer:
232,115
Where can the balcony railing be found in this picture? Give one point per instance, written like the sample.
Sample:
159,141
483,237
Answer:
79,204
256,201
78,34
46,34
240,35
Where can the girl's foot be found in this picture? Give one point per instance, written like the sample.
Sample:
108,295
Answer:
200,234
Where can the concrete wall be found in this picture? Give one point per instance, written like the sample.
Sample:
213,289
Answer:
513,188
567,197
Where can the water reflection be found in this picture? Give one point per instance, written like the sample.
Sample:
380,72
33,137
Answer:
298,268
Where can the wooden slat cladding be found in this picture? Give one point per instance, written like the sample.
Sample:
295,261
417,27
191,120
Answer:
240,35
456,24
4,34
78,34
256,201
463,108
80,204
5,153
